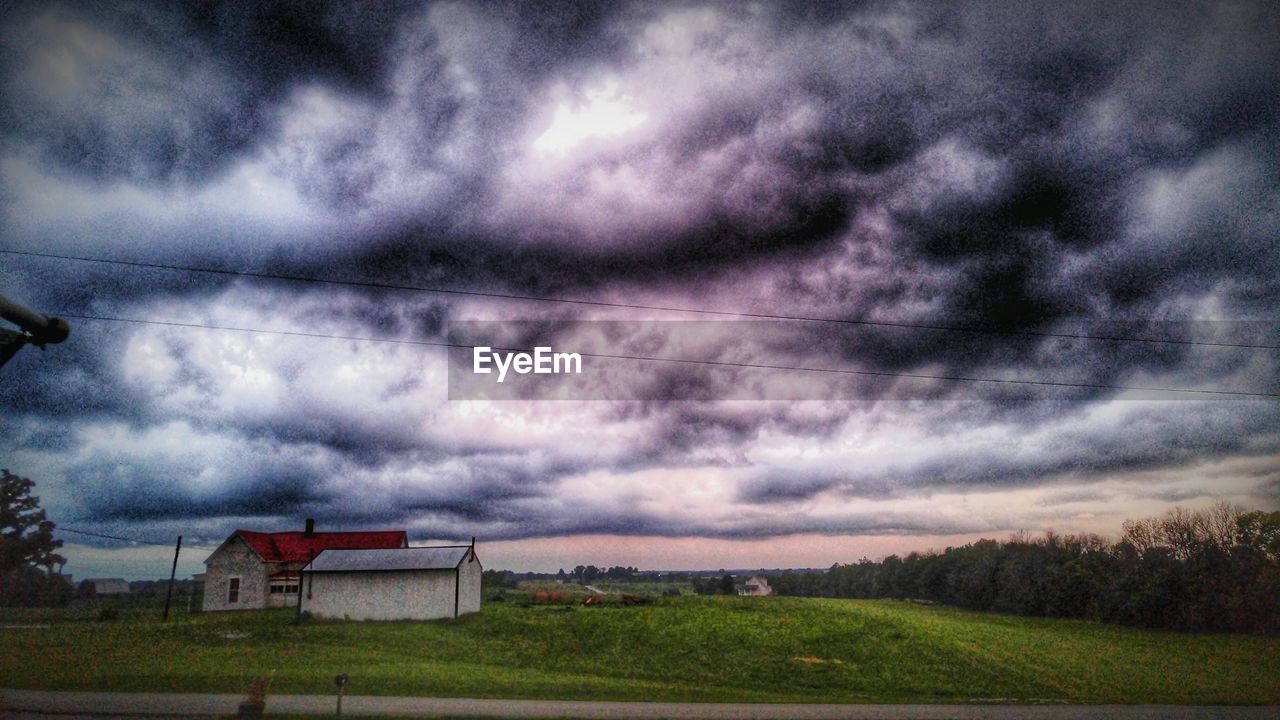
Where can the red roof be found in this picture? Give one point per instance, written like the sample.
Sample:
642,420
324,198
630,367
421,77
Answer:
300,547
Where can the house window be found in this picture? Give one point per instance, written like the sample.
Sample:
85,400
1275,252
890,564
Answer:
284,587
233,590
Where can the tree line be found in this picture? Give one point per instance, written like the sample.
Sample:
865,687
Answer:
722,585
1211,570
589,573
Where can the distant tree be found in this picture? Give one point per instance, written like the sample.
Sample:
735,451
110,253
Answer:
29,586
1260,531
26,535
726,585
26,546
617,572
706,586
561,575
498,579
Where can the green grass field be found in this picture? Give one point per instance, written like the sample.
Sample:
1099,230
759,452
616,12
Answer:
690,648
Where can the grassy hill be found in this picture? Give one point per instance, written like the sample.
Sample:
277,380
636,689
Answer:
691,648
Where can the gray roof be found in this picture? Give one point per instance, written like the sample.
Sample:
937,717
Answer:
414,558
109,586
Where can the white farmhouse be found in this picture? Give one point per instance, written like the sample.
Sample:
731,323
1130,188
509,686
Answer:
415,583
757,586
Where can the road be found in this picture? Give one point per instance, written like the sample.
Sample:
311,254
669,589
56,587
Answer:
22,704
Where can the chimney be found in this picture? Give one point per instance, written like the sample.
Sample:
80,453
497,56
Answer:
311,527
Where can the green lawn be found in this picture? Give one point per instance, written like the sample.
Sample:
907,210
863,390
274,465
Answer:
690,648
133,607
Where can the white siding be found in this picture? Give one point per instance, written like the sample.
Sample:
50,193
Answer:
235,559
757,586
389,595
469,589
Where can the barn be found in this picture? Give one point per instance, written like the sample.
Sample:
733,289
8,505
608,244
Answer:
101,587
253,570
415,583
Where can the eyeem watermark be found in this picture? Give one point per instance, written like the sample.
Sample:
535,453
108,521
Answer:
712,360
542,361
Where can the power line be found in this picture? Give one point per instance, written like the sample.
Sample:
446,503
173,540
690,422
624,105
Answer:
106,536
690,361
635,306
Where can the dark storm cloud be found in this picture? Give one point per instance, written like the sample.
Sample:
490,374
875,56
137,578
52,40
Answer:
712,434
1020,168
1154,439
258,477
492,488
633,523
1066,497
277,492
176,92
966,76
125,481
80,383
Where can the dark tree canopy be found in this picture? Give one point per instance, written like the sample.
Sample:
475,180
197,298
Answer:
26,535
1261,531
1216,569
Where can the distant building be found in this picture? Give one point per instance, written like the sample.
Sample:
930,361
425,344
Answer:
101,587
757,586
252,570
418,583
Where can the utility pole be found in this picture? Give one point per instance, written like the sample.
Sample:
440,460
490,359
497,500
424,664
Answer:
172,574
37,329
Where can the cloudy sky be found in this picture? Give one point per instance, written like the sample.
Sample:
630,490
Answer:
1028,170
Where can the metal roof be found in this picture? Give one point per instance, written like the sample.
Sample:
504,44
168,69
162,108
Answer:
414,558
109,586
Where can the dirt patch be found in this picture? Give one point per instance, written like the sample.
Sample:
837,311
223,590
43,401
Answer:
810,660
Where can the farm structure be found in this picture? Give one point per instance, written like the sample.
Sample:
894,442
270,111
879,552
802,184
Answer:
99,587
756,586
253,570
417,583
